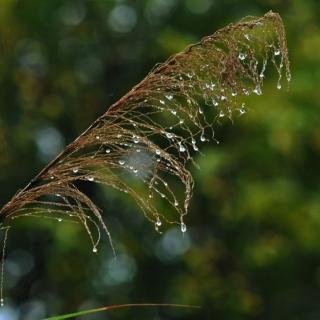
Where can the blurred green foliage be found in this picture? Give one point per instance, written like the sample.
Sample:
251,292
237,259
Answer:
253,246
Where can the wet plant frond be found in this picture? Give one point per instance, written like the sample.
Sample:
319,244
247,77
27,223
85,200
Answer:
146,139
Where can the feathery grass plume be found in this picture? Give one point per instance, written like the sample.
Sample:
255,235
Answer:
150,134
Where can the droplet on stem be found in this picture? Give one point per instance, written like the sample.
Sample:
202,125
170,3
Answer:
257,90
182,148
136,139
242,56
277,52
169,96
183,227
242,109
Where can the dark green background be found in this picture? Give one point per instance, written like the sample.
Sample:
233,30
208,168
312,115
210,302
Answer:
252,250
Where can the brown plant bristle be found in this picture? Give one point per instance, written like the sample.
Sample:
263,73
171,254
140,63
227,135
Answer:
150,134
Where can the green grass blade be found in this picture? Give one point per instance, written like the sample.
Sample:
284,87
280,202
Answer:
119,306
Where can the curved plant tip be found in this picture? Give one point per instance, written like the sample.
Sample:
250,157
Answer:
121,306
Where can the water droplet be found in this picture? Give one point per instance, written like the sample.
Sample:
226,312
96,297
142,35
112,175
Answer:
162,102
277,52
261,75
257,90
221,114
90,178
289,77
279,86
136,139
195,148
138,150
176,203
242,110
181,121
233,93
174,112
135,170
169,135
223,98
121,162
202,138
200,111
182,148
94,249
75,170
52,177
98,137
162,195
1,302
158,152
60,220
108,150
215,103
169,96
183,227
158,222
242,56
